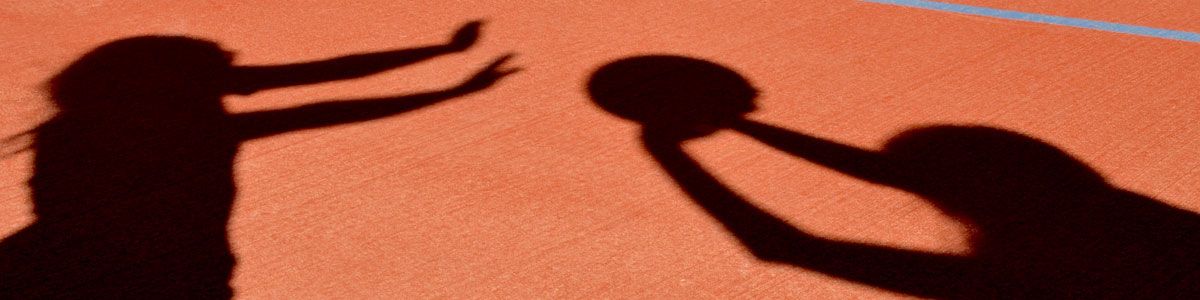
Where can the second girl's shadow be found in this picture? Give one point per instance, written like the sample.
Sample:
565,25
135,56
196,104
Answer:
1044,224
132,180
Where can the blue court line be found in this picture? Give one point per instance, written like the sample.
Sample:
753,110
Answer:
1047,19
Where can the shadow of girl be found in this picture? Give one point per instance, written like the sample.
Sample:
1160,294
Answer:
133,183
1046,225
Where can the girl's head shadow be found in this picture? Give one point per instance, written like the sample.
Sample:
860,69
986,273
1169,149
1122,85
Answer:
143,74
676,95
982,172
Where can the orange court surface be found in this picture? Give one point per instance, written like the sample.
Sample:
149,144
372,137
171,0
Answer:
520,186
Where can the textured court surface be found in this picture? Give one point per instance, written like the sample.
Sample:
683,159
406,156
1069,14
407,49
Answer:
529,190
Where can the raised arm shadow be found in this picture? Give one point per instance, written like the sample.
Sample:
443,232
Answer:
250,79
247,80
773,239
264,123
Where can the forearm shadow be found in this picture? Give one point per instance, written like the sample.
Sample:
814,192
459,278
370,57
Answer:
772,239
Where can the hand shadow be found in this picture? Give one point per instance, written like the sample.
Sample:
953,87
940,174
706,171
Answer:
1045,224
132,183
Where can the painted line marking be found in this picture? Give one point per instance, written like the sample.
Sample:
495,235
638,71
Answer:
1047,19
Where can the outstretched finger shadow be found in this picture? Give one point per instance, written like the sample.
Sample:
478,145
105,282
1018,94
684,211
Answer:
1046,225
